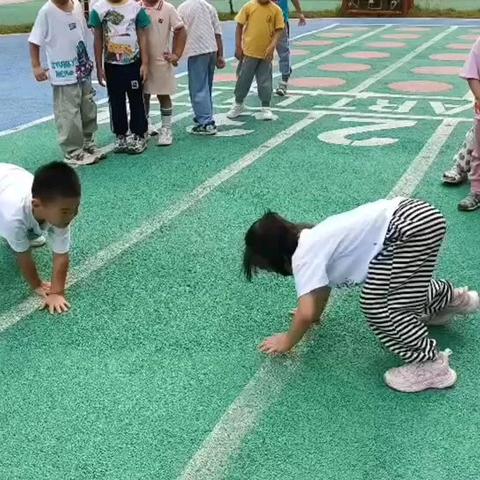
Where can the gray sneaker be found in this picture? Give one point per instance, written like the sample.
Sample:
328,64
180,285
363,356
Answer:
281,90
120,145
472,202
90,148
136,145
78,159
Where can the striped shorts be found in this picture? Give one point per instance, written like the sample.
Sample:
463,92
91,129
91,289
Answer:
399,289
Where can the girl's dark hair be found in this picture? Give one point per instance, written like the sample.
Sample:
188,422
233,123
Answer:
269,245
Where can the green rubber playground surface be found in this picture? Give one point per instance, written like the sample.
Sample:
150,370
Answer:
155,374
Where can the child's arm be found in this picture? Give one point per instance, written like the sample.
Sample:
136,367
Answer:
271,48
30,273
301,17
309,311
55,301
220,59
39,72
474,85
238,42
143,42
178,44
98,49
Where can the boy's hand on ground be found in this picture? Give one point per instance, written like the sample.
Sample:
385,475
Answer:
276,345
101,77
238,53
144,72
43,290
40,73
221,62
301,20
56,303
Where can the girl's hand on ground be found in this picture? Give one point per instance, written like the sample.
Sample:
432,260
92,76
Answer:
43,290
56,304
40,73
276,345
221,63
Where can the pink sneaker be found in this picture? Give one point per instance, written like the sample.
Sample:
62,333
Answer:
419,376
464,302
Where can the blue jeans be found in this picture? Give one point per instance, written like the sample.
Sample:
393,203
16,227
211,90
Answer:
201,69
283,50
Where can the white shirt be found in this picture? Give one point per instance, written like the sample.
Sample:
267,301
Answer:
64,36
17,223
202,24
338,251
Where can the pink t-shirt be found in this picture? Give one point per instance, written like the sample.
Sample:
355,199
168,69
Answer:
471,68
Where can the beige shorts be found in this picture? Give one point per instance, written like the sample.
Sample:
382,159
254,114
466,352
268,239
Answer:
161,80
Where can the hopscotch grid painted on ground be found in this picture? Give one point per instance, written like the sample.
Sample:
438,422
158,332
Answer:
225,440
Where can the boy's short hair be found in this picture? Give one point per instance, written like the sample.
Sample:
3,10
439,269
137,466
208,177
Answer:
56,180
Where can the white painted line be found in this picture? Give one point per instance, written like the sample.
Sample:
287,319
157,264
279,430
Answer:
374,78
110,253
225,441
417,170
469,96
289,100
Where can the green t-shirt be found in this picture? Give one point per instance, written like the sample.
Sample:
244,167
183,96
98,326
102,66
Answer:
119,22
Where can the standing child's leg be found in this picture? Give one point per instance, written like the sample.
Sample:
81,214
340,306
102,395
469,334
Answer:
67,100
472,202
265,86
138,119
283,50
117,89
199,74
89,121
152,131
399,291
246,70
458,174
166,109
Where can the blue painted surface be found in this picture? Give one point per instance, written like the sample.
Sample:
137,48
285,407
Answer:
23,100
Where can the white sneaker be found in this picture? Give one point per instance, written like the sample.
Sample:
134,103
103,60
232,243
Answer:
465,302
419,376
165,138
236,111
152,130
79,159
38,242
265,114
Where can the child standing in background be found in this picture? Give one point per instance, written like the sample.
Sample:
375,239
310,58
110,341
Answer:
204,49
458,174
121,56
283,46
471,73
60,27
259,27
162,60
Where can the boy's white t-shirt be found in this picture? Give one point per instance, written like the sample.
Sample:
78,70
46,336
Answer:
64,36
17,223
338,251
202,24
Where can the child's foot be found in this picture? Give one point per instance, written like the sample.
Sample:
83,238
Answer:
165,138
281,90
91,149
38,242
237,110
265,114
152,130
464,302
419,376
136,145
454,177
79,159
120,145
203,129
472,202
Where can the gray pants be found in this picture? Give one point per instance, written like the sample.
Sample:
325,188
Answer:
248,68
283,50
75,114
